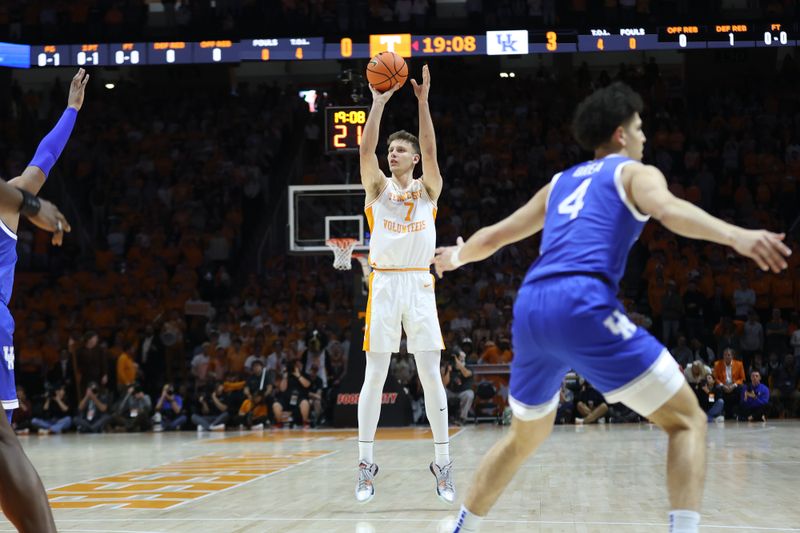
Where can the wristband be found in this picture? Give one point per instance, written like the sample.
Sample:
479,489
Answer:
455,259
30,204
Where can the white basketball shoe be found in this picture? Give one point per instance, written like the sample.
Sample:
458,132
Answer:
365,488
445,488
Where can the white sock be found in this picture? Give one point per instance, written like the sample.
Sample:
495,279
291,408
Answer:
435,402
467,522
365,451
369,402
683,521
442,450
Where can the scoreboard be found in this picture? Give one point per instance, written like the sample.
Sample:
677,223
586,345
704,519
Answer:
516,42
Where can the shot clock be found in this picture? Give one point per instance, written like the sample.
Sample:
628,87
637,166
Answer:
343,128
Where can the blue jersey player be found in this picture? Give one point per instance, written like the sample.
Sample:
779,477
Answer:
22,495
567,316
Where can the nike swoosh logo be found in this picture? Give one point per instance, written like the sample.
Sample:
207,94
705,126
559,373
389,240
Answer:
428,285
443,408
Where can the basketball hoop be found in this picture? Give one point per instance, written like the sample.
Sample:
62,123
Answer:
342,252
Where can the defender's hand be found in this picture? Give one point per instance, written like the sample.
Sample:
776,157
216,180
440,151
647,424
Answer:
49,218
444,254
77,89
421,91
763,247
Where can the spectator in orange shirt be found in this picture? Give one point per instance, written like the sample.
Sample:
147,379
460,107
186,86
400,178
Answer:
497,354
729,378
127,369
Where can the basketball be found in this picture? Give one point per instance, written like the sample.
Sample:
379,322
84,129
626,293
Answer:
386,69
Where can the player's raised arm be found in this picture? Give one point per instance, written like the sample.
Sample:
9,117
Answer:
33,177
427,137
521,224
648,190
371,175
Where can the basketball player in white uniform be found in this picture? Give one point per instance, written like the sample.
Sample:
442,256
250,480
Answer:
401,212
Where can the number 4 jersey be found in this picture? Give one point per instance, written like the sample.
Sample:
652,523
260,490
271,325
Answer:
590,224
565,319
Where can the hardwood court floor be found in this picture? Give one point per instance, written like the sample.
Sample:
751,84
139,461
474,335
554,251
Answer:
585,479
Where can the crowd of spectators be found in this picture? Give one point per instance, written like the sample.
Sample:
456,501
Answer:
153,326
33,21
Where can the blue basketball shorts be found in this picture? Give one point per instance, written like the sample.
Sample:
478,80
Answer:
8,387
577,323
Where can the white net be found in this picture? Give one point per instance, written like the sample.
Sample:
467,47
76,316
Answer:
342,252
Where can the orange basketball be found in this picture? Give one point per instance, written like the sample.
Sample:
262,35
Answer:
385,70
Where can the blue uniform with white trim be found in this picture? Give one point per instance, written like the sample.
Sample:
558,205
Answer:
567,315
8,262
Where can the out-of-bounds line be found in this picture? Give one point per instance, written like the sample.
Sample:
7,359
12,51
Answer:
417,520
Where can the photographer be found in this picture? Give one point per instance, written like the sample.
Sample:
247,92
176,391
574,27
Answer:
253,412
710,402
293,395
213,410
55,412
169,410
460,386
591,406
134,410
93,415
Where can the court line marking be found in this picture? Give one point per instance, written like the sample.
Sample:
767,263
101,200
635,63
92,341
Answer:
263,476
417,520
102,531
132,469
211,493
474,466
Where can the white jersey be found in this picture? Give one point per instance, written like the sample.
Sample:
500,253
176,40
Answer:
402,225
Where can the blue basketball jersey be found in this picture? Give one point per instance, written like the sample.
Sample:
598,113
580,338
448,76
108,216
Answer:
8,261
590,224
564,321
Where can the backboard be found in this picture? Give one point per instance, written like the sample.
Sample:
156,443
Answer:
321,212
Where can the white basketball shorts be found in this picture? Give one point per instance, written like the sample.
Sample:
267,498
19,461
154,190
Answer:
402,300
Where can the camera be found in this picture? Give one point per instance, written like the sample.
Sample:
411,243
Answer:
170,391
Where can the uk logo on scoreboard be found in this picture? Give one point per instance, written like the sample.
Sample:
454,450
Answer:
506,43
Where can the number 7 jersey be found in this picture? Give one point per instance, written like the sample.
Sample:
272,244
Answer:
590,223
402,225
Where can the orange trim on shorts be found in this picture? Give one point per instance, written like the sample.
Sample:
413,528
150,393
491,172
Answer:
365,347
434,212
